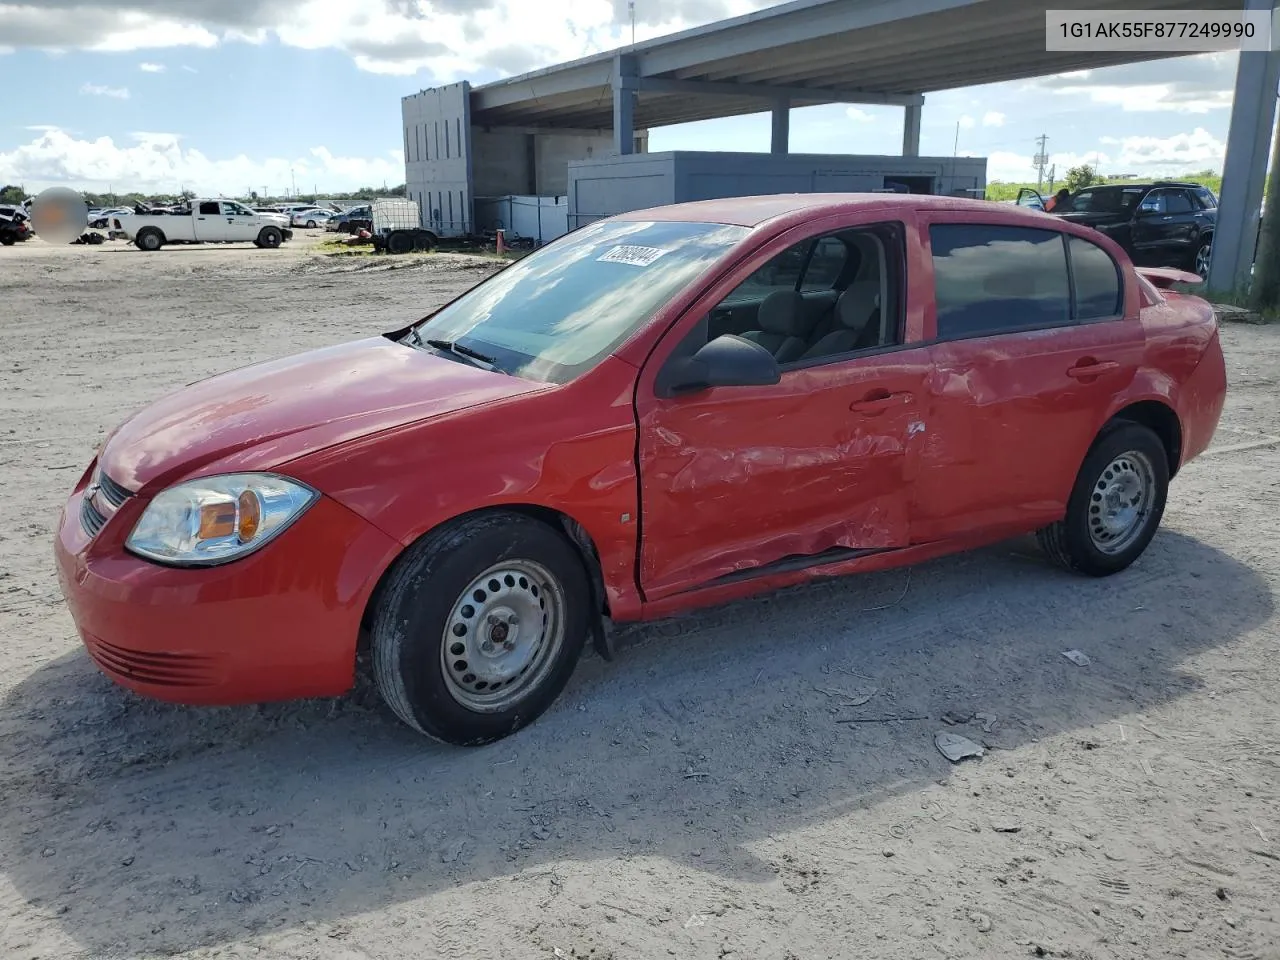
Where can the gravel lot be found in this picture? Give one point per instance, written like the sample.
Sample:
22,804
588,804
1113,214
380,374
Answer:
698,798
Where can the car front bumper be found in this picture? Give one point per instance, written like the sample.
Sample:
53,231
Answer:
278,624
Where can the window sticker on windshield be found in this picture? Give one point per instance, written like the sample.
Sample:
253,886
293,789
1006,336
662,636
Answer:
633,255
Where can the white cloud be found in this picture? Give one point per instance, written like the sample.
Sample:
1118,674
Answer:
967,122
861,116
1182,151
97,90
151,67
1152,97
447,38
160,163
993,118
189,69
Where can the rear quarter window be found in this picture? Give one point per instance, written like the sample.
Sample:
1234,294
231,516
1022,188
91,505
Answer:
1095,280
992,279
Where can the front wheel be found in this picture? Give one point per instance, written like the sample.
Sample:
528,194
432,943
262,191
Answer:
270,238
480,627
1115,506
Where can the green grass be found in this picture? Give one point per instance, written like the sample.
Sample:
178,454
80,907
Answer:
998,190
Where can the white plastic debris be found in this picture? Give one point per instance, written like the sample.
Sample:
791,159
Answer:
1076,657
955,747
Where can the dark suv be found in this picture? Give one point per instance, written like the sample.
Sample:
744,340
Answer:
1163,224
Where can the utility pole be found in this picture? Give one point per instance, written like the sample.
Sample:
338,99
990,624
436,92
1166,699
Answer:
1053,176
631,9
1040,160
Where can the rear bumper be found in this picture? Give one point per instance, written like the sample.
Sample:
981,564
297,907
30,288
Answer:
1202,399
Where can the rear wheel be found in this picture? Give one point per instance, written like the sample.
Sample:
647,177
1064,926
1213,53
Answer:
270,238
311,224
1203,256
1115,506
480,627
400,242
149,239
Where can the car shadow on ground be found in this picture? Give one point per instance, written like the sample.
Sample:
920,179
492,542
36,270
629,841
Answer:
145,827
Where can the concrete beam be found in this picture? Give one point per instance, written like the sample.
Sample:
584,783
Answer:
766,91
624,104
553,82
911,117
1244,171
779,142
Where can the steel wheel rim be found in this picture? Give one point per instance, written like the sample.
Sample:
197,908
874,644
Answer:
1121,502
503,635
1203,255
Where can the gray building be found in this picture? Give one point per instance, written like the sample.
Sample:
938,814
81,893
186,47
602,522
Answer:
456,168
604,187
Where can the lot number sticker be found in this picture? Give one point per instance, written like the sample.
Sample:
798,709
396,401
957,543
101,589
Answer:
633,255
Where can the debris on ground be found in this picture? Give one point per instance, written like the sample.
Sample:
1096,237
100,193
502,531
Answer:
954,718
955,747
982,920
1076,657
988,721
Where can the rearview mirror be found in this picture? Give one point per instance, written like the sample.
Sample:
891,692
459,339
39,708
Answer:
726,361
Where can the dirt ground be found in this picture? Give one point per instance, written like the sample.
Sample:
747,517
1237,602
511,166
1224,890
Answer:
700,797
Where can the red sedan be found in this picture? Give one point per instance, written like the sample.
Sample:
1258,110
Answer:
666,409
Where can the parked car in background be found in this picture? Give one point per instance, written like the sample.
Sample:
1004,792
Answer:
15,225
101,219
1157,224
206,221
311,219
659,411
354,220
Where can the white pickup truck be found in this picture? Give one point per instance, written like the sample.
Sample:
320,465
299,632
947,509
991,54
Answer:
207,221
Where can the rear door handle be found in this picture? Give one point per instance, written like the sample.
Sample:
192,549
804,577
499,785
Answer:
880,400
1088,369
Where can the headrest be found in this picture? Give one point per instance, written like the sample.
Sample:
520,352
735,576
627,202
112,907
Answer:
857,304
783,312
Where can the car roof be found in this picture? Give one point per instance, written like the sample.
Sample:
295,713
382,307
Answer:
757,211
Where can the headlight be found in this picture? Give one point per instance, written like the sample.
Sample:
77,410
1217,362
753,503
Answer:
218,519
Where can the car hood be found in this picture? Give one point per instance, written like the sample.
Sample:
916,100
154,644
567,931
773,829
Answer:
259,417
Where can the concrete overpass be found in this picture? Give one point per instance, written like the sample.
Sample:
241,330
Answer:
810,52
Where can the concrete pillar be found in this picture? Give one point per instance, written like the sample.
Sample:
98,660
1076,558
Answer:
780,142
911,131
1244,171
624,105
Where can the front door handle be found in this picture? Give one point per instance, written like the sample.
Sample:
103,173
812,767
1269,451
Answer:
878,401
1088,369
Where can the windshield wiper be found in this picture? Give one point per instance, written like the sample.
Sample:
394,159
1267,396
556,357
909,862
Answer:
450,346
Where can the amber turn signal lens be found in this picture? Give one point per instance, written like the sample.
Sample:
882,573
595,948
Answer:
250,520
217,520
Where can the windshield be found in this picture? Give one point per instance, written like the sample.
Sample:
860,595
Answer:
1106,200
556,313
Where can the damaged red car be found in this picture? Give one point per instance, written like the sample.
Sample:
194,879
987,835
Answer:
666,409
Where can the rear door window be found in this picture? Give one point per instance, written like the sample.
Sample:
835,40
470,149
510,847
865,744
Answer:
209,209
994,279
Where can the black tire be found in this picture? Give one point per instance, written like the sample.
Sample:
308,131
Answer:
1072,541
424,242
1200,257
270,238
400,242
311,224
415,607
149,238
8,239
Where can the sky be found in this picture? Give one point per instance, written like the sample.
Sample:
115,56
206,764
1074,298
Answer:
229,96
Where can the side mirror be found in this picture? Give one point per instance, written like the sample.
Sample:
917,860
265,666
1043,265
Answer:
726,361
